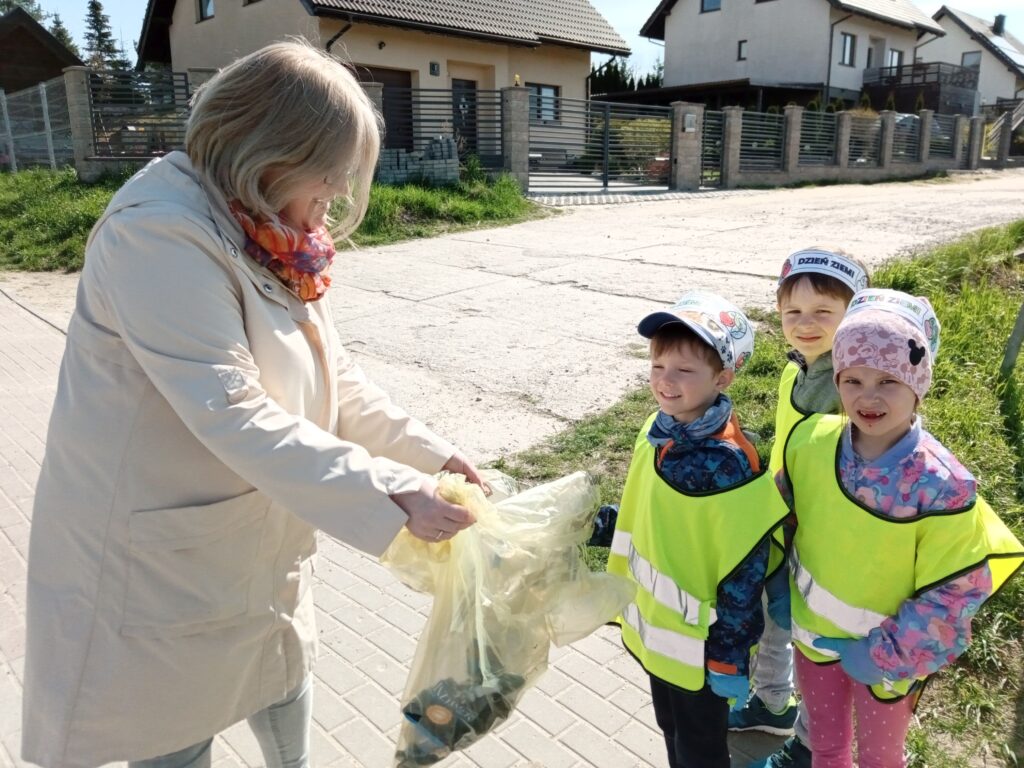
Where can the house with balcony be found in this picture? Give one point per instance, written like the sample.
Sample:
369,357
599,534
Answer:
985,47
760,53
440,62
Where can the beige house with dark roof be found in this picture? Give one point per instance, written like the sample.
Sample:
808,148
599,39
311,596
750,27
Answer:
428,44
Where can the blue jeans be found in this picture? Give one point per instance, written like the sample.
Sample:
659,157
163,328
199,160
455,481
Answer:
282,730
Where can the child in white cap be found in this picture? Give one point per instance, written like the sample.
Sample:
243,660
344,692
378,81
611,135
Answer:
694,530
815,286
893,552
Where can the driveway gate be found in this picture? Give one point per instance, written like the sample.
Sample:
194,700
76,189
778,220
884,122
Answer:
711,149
587,145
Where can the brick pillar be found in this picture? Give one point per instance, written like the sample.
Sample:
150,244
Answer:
8,132
958,145
843,126
977,136
791,151
687,135
515,133
925,135
732,132
76,82
888,131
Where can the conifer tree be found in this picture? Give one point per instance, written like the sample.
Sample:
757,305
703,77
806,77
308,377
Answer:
58,30
32,6
100,49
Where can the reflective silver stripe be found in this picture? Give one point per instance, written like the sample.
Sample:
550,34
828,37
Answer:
807,637
856,621
666,591
622,543
682,648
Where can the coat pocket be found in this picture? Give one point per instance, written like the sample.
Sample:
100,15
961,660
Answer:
190,568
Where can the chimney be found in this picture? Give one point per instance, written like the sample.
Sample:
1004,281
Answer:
999,25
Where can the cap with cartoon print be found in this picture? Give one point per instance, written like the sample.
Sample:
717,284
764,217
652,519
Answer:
720,323
824,262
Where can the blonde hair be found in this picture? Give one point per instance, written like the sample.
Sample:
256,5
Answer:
291,109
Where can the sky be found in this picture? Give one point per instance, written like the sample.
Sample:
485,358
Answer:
627,16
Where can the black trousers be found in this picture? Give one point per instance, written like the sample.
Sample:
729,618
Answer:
695,724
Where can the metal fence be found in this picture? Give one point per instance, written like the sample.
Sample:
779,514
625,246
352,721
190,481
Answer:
762,139
711,149
865,141
581,143
416,116
942,141
137,114
906,139
35,129
818,138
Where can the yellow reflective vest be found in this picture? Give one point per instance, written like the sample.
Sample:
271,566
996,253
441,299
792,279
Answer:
851,567
678,548
787,416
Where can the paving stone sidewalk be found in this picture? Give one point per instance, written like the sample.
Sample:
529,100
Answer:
591,708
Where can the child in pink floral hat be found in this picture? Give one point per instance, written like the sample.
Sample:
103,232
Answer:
893,553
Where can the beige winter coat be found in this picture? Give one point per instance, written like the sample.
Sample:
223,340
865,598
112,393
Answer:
207,422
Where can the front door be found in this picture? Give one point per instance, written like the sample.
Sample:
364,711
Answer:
464,120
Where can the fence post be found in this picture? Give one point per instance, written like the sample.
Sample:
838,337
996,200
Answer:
515,133
46,126
793,129
844,126
958,145
1005,139
8,131
76,81
687,139
606,144
888,118
974,143
732,135
924,140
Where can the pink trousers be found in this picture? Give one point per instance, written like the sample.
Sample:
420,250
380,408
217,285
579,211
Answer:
832,697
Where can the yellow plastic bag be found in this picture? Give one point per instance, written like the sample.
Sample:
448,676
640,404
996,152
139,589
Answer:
504,590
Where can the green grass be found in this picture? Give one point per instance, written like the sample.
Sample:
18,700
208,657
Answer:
975,708
45,216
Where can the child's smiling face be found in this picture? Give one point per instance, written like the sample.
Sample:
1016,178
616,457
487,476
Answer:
810,319
880,406
684,383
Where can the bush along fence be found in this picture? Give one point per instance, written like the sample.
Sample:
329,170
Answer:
102,121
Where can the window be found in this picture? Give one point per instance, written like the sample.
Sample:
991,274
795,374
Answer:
205,9
741,50
543,102
895,58
971,59
848,51
710,5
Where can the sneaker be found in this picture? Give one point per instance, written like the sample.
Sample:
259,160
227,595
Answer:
755,716
792,754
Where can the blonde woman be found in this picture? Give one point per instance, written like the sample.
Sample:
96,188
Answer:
207,423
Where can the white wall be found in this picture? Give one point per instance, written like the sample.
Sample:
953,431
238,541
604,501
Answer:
785,42
995,80
889,38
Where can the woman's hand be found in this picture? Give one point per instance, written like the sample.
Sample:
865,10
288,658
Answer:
459,464
431,518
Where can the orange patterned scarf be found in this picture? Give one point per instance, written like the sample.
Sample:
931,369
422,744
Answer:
299,259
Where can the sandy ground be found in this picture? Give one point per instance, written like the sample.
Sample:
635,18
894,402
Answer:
500,337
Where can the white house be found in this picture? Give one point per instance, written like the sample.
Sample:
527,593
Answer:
980,44
786,46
